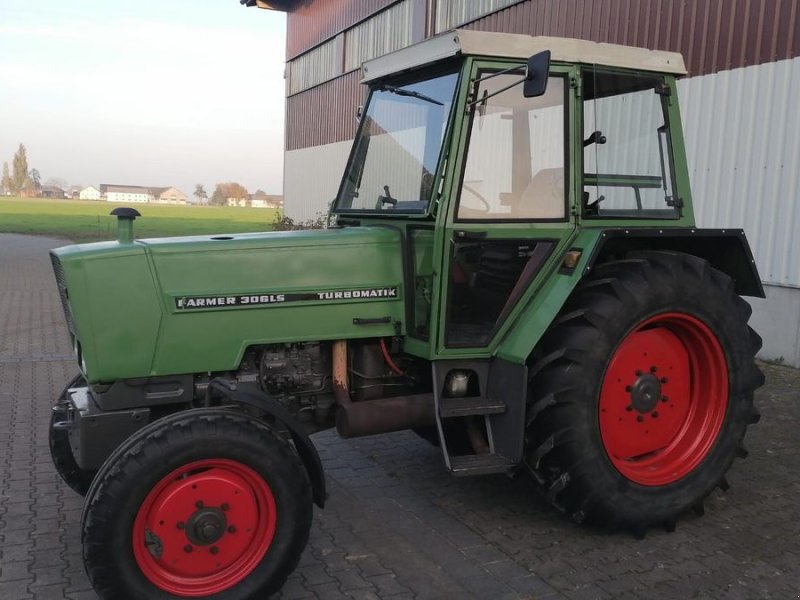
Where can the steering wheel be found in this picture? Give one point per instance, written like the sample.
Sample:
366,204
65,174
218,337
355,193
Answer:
486,206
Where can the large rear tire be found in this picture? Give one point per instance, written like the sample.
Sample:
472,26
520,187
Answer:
61,451
203,503
641,392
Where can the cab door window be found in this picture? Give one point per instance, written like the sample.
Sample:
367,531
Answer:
516,155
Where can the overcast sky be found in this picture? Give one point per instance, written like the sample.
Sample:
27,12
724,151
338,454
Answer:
148,92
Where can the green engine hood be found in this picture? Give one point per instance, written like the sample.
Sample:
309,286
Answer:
195,304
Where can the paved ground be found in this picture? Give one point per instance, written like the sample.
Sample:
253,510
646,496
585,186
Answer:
397,525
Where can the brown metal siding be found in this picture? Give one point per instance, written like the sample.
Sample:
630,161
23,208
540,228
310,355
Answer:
713,35
318,20
324,114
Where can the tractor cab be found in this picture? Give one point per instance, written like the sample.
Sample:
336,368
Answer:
492,151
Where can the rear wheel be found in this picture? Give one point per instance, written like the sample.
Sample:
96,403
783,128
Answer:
641,392
204,503
61,451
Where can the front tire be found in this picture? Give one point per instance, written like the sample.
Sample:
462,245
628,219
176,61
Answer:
203,503
641,392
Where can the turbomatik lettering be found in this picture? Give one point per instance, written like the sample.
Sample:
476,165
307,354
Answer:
259,299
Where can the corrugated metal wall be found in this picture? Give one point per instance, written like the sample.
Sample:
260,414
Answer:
316,21
742,131
712,34
324,114
388,31
312,68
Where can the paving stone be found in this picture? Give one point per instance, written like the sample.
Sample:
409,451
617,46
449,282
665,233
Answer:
397,525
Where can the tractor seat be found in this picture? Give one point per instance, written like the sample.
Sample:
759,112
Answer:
543,197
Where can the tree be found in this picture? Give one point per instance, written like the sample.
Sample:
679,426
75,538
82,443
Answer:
200,193
230,189
218,198
36,179
20,170
6,184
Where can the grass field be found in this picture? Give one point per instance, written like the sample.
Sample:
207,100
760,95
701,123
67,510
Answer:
84,221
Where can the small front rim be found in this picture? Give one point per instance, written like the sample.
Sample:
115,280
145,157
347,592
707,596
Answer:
663,399
204,527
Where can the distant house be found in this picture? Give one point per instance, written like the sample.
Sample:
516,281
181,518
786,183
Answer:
90,193
169,195
238,202
262,200
126,193
51,191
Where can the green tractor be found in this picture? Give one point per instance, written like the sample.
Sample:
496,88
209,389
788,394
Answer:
512,270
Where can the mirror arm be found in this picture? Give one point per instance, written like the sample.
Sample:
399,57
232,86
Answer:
485,97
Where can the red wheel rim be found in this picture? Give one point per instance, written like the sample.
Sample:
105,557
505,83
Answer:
204,527
663,399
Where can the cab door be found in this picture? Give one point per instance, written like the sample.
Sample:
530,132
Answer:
511,214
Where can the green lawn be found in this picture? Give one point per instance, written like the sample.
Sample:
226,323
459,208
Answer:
84,221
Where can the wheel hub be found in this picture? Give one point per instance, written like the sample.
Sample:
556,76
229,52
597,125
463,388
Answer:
213,521
645,393
206,526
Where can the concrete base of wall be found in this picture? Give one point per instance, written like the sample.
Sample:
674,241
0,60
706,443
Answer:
776,319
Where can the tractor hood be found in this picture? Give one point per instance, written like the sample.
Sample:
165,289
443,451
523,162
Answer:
195,304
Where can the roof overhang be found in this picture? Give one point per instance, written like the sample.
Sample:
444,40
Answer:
512,45
283,5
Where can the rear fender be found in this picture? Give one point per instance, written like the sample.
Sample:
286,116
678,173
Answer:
725,249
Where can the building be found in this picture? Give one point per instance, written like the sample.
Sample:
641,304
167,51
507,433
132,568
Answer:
52,191
741,125
90,193
168,195
125,193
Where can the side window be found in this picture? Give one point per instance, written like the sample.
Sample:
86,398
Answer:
627,154
516,156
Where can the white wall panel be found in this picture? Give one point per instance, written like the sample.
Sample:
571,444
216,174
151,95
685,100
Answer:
742,131
311,179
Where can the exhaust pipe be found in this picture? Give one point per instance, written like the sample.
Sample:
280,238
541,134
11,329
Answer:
125,218
369,417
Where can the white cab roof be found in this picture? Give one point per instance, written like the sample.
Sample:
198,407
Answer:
512,45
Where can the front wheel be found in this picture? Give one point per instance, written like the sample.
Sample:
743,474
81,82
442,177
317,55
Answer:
641,392
203,503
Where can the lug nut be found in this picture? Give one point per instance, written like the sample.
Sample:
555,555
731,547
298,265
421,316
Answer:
225,506
181,525
640,418
665,398
231,529
199,504
664,380
638,372
187,548
653,369
629,408
655,414
214,549
628,388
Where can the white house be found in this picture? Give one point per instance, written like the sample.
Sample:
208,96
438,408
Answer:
90,193
126,193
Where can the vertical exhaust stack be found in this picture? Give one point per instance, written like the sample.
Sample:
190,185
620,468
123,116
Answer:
125,218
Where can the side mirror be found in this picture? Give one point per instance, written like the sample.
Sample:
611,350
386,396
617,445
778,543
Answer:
536,75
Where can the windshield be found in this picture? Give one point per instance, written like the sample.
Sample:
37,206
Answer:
398,147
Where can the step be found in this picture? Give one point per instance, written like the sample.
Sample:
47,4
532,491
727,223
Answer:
463,407
480,464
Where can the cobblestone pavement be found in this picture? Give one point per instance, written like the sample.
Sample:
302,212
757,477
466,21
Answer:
397,525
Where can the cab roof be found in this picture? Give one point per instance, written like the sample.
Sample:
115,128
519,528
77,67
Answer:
512,45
